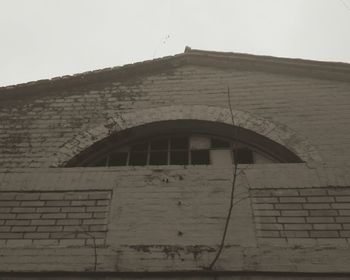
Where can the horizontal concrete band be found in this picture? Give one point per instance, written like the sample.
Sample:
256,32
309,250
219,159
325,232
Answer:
333,261
264,176
176,275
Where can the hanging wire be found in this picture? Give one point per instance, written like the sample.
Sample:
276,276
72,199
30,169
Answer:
229,213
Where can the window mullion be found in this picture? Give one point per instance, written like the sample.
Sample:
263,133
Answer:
128,158
148,153
168,152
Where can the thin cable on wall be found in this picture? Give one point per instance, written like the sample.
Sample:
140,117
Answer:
94,246
229,213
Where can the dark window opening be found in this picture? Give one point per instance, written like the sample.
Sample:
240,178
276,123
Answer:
118,159
138,158
161,144
179,143
100,162
217,143
200,157
158,158
179,157
243,156
140,147
181,149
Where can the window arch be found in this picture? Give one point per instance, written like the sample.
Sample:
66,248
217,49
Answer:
183,142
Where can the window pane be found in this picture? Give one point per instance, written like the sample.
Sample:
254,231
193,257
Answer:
160,144
179,157
244,156
200,157
217,143
118,159
158,158
221,157
138,158
100,162
179,143
261,159
140,147
199,143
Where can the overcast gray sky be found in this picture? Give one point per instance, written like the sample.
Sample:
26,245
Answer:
46,38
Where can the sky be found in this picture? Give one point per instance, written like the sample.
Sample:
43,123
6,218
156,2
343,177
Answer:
41,39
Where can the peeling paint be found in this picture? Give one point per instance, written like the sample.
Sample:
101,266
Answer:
173,251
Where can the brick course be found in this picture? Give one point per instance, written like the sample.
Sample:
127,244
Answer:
312,219
292,204
36,126
38,217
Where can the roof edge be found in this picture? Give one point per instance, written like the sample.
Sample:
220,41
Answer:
306,68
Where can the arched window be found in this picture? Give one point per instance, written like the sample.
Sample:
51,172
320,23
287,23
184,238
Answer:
183,142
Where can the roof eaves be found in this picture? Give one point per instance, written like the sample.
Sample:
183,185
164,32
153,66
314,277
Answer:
96,76
305,68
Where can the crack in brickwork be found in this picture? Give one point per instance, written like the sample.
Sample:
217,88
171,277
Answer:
68,218
302,213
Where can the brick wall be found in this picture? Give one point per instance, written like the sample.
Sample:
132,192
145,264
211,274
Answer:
312,213
172,218
33,127
290,217
74,218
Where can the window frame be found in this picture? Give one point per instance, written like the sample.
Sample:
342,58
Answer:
240,135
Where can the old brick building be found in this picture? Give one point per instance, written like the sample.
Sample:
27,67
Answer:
128,171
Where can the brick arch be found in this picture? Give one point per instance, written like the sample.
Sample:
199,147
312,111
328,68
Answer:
122,121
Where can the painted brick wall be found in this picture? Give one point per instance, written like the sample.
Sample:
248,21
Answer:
71,218
172,218
311,213
288,217
33,127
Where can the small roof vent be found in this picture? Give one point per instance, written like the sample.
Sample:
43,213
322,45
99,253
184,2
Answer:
187,49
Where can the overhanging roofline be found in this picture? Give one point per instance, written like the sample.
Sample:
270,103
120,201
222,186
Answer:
225,60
